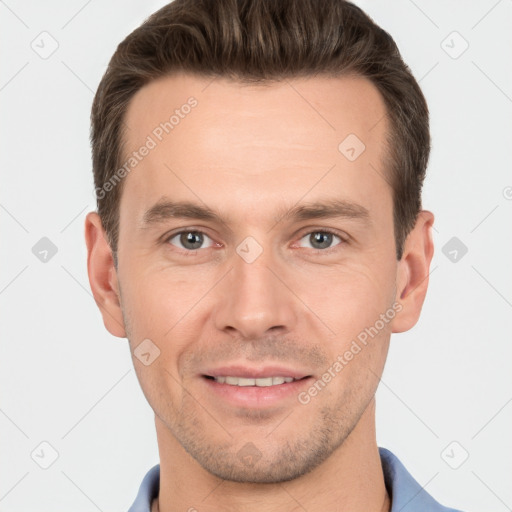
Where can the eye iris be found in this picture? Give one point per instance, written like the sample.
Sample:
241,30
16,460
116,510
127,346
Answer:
192,237
321,240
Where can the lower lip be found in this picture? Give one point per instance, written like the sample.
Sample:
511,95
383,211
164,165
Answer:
256,396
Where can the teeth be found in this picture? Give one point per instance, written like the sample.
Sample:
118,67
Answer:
267,381
260,382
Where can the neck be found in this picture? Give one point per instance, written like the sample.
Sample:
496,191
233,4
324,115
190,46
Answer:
351,479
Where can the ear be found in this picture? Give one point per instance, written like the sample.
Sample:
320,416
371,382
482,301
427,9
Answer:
103,275
413,272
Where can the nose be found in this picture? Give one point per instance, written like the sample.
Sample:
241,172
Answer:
255,299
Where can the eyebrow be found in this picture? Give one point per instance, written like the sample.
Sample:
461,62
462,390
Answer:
166,209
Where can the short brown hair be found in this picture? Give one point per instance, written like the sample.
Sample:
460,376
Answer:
259,41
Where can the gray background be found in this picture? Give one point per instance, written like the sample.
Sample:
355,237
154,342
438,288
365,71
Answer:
446,390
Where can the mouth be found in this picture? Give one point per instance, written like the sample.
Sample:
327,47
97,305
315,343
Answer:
261,382
250,388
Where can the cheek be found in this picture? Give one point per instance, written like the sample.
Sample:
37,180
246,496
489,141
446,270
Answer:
351,296
354,305
161,307
155,306
159,298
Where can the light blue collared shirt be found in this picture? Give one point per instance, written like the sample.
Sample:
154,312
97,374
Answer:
406,494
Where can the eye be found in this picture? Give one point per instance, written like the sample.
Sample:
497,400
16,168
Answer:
189,240
320,240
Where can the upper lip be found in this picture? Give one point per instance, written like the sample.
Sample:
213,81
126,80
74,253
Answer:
255,373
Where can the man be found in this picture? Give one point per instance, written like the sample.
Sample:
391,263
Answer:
258,167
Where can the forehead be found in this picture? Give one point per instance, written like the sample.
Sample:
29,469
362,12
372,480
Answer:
213,139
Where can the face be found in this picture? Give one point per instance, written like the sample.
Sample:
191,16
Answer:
257,259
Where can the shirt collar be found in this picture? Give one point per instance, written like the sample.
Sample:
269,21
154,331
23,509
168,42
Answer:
405,493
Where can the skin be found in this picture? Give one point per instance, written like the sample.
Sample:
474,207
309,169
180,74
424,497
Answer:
252,152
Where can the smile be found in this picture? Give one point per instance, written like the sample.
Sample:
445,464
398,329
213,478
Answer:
260,382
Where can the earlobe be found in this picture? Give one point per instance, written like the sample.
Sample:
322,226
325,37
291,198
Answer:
103,275
413,272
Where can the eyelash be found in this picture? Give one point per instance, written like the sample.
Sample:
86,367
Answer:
192,252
